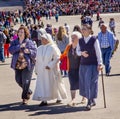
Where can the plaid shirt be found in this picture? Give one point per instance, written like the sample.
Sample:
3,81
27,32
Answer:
104,41
110,37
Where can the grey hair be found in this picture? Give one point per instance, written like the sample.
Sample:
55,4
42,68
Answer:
76,33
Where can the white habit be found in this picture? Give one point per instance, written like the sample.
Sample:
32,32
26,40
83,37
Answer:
49,84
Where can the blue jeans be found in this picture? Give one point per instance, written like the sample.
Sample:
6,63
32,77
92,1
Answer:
106,56
2,58
23,79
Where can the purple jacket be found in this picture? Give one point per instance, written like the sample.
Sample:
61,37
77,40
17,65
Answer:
14,49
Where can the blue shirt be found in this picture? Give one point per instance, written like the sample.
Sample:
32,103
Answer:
110,37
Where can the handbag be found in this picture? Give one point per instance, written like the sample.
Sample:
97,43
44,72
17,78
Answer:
21,61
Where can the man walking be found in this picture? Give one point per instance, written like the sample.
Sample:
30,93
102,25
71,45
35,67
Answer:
107,42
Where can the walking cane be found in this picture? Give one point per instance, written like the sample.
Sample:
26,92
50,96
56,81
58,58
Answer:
103,89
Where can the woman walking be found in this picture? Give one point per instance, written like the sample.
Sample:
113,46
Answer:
24,53
49,85
78,29
62,40
90,64
73,62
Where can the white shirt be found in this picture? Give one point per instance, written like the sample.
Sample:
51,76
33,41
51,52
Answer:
97,49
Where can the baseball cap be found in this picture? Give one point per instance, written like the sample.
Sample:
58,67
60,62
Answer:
103,24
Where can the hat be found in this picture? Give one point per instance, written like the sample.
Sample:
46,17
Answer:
103,24
1,24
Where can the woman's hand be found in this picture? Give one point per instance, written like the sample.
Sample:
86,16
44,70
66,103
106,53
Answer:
48,68
84,54
23,45
100,67
27,51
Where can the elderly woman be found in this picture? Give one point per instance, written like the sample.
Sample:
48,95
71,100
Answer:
24,53
49,85
73,62
90,64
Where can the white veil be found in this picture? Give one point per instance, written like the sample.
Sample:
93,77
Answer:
48,37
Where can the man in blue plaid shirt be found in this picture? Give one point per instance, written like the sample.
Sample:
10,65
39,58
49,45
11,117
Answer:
107,42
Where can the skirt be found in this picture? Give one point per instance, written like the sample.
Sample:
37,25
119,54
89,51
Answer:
88,81
73,75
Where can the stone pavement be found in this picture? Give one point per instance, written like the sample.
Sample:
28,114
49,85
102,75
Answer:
11,5
10,100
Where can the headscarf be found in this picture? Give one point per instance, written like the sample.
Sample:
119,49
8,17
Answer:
48,37
41,31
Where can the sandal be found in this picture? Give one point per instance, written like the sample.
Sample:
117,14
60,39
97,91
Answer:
83,101
71,104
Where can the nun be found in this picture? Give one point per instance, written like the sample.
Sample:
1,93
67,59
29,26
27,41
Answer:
49,84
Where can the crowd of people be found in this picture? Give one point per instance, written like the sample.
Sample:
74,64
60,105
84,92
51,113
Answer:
53,54
82,59
49,8
34,10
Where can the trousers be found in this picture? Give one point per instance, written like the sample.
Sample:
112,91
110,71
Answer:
23,79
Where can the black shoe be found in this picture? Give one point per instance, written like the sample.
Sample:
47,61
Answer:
93,103
43,103
58,101
88,107
107,74
3,61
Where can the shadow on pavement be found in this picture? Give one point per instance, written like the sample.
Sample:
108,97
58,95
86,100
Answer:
111,75
61,109
50,109
4,64
10,107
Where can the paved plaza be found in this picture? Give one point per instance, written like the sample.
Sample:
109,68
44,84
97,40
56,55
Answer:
10,100
11,5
